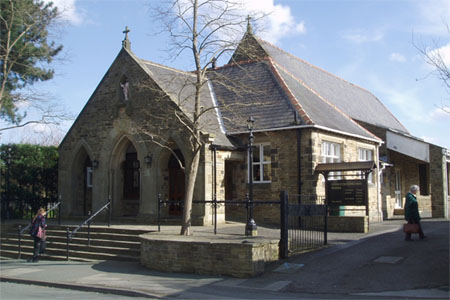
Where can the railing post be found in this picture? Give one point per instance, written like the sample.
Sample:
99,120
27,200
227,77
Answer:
325,230
20,239
89,229
67,243
215,215
284,216
109,211
159,212
247,206
59,210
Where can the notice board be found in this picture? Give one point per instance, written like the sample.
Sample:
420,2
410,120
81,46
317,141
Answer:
347,192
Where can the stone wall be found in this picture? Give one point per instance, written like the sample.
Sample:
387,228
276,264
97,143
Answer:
284,171
349,152
201,255
348,224
409,175
439,178
105,128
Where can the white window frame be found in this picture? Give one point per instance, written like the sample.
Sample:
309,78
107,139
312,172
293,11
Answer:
362,156
331,153
89,173
259,151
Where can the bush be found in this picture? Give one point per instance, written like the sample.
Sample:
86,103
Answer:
29,178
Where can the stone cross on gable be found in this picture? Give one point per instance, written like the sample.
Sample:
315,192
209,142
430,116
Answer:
126,43
126,32
249,25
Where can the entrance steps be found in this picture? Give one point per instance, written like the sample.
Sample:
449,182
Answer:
106,243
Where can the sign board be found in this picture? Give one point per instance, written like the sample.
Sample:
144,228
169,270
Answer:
347,192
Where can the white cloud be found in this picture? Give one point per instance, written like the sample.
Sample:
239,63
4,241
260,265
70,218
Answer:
397,57
360,36
439,114
301,27
441,53
279,21
68,10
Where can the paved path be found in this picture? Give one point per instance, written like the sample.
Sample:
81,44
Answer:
372,266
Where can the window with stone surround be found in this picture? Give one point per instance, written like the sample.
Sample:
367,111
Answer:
261,163
89,172
366,155
331,153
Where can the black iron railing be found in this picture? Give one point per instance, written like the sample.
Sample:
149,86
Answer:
215,204
50,211
304,225
88,221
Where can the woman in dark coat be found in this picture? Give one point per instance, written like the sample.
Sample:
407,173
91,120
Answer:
412,211
39,242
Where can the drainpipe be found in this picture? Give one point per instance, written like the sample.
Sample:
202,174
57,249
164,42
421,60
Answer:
379,210
299,164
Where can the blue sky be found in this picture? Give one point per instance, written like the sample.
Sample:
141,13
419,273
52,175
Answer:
369,43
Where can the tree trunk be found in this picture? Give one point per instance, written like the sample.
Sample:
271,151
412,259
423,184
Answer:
189,195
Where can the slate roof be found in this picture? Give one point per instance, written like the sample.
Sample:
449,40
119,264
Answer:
354,101
250,89
318,110
278,90
179,86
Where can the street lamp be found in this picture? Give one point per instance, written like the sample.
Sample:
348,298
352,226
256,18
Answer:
250,228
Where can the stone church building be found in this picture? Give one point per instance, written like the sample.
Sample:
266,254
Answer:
122,143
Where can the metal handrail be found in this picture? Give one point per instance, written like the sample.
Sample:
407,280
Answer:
88,221
21,231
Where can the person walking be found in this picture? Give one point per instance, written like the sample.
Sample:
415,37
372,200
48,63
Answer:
37,231
412,215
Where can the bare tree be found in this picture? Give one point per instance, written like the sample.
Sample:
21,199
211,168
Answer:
208,30
435,58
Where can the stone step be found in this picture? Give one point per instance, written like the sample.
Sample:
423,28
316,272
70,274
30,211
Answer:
83,235
105,243
74,254
28,255
77,247
77,241
97,229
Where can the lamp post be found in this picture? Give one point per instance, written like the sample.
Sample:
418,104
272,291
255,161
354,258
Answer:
250,228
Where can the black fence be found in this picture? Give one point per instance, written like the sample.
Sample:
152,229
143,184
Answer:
214,205
20,210
303,218
304,223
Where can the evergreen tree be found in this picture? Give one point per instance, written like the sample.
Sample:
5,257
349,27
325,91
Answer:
25,52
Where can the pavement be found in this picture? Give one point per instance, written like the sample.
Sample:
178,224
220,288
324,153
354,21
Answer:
377,265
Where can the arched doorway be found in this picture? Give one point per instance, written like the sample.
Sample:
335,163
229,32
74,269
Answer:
176,183
82,183
88,184
131,182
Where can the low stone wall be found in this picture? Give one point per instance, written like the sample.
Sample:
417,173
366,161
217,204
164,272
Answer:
237,257
348,224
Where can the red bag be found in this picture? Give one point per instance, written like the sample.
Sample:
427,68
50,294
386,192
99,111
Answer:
411,228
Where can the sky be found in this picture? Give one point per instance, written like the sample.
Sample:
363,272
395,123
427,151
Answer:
367,42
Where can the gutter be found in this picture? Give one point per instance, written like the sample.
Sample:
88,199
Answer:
378,141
